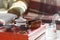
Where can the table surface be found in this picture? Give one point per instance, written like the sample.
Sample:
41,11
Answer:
43,37
58,34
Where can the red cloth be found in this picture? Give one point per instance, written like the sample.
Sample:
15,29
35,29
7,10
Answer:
10,36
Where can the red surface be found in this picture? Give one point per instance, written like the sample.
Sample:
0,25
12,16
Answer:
10,36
